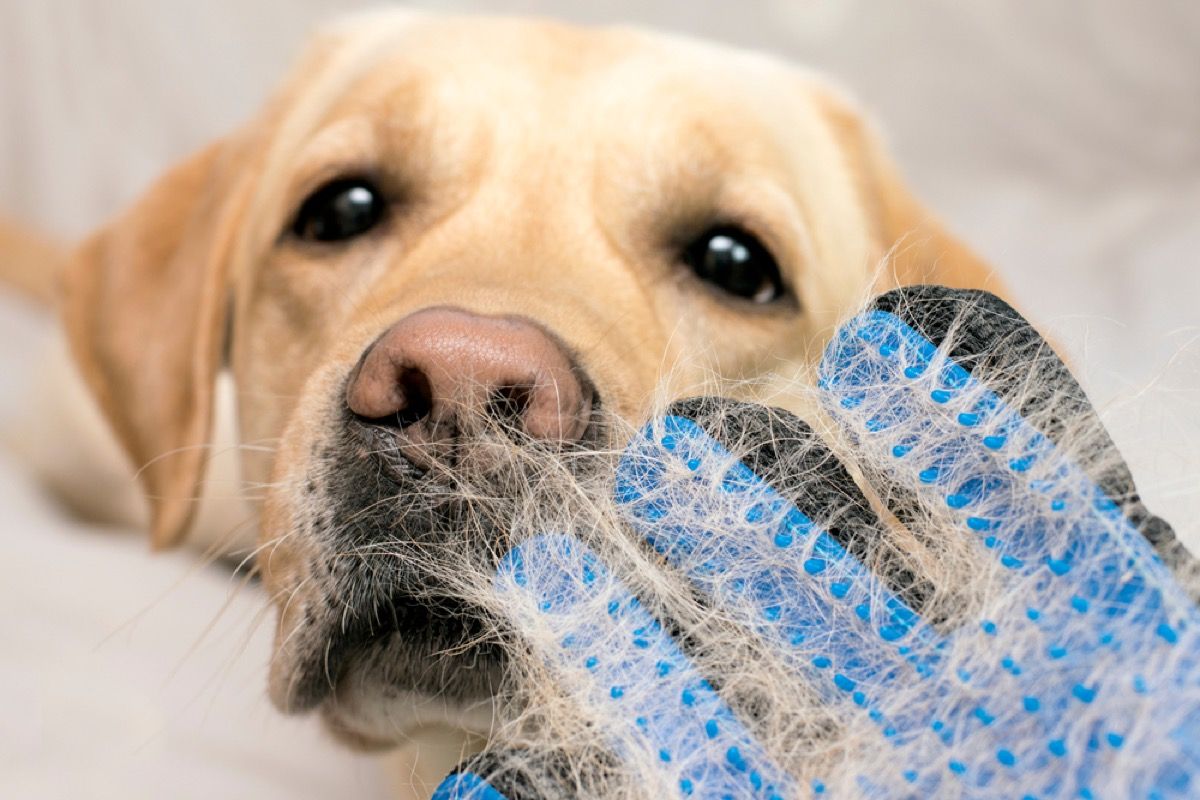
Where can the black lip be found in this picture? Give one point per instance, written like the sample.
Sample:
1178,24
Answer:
397,640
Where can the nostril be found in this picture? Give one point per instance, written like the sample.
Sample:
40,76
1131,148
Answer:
418,396
507,404
414,395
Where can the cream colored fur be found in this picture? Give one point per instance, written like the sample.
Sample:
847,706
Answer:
539,169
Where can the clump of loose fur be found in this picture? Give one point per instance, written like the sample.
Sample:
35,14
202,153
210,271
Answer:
991,659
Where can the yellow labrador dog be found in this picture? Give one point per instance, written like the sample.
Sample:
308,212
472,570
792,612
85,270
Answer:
437,216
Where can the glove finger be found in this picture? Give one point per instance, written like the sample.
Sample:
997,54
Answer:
961,456
789,457
757,556
617,661
990,340
1077,594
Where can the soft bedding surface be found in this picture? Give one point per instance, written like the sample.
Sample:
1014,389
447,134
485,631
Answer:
131,675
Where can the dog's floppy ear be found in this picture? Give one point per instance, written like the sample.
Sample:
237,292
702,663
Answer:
918,246
144,302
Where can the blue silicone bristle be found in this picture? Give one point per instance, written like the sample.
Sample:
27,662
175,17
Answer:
632,671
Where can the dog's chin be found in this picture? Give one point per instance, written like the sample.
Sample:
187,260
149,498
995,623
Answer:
376,686
370,714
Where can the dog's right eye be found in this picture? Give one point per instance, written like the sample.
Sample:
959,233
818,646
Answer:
737,262
339,210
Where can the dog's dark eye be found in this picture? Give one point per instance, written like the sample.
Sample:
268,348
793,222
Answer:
734,260
339,210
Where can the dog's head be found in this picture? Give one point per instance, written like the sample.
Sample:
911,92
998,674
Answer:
447,239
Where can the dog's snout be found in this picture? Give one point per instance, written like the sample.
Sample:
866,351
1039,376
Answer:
435,371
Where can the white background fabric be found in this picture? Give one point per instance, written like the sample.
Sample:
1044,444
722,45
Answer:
1061,139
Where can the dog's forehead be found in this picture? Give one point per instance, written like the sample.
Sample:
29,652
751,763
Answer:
559,139
499,65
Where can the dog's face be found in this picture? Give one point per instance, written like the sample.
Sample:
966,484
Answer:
444,236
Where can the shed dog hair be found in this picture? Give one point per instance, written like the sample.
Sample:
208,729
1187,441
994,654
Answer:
530,171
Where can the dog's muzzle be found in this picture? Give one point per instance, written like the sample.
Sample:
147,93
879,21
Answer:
443,424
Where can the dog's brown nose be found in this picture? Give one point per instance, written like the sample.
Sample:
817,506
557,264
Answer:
442,372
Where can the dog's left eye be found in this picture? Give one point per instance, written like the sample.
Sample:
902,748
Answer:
339,210
737,262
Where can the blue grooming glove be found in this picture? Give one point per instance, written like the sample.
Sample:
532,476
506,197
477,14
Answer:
1011,627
